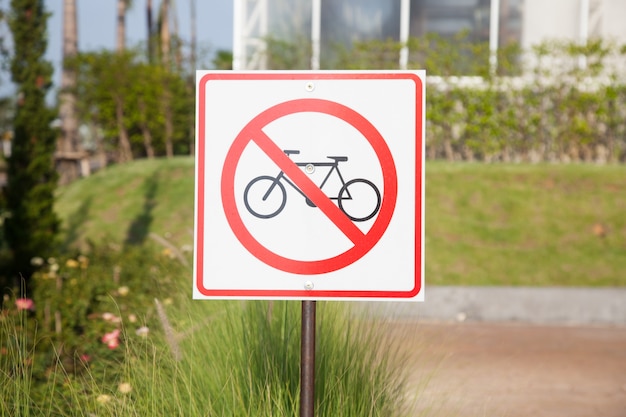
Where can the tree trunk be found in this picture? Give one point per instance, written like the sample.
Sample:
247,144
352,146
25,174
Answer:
448,151
100,155
165,33
169,125
191,83
177,53
68,142
194,35
121,25
125,153
145,131
149,24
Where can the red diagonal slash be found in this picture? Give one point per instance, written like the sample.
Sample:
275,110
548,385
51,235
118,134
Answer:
362,243
308,187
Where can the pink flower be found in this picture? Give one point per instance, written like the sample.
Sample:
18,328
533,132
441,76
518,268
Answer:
111,317
25,304
112,344
110,336
111,339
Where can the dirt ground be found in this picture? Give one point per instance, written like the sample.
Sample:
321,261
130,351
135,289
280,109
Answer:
514,370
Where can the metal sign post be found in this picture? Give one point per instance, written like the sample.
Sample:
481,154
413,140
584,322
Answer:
307,360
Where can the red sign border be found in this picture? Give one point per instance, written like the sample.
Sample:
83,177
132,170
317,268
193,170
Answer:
252,132
200,176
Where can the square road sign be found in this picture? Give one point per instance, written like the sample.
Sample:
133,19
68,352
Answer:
309,185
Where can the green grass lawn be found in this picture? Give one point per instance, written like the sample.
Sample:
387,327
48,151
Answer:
525,224
485,224
124,203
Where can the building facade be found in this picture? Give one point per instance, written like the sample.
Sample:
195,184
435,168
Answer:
319,26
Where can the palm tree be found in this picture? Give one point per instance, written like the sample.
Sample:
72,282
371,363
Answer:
150,27
166,102
164,31
67,146
125,153
122,6
193,45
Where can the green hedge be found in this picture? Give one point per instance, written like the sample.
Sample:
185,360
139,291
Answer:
558,102
567,105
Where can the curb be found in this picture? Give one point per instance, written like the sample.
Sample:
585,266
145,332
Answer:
552,305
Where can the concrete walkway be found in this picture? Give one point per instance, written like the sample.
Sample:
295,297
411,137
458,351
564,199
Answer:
553,305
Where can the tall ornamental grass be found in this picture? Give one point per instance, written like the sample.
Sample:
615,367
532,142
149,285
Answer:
243,359
117,334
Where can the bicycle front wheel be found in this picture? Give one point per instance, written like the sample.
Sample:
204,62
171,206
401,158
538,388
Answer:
359,199
265,197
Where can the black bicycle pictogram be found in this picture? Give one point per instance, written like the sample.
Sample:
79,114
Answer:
265,196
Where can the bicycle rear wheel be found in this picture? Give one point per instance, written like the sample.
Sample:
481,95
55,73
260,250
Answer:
265,197
359,199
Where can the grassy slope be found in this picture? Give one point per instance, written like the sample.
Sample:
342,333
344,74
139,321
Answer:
125,203
485,224
525,224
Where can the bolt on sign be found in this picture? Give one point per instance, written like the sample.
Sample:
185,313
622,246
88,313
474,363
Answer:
309,185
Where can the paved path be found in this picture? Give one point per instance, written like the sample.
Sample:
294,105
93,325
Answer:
514,352
475,369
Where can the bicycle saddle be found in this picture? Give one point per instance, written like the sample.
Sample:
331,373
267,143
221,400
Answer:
338,158
291,152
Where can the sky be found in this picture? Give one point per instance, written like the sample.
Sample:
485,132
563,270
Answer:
96,25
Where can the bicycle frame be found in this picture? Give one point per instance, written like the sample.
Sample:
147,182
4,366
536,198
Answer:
309,167
334,167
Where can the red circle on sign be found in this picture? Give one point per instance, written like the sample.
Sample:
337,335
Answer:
253,130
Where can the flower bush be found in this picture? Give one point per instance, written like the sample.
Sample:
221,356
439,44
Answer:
116,334
76,326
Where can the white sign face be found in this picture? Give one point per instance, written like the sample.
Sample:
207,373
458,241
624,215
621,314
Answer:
309,185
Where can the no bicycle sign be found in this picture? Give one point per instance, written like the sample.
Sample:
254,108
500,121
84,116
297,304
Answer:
309,185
